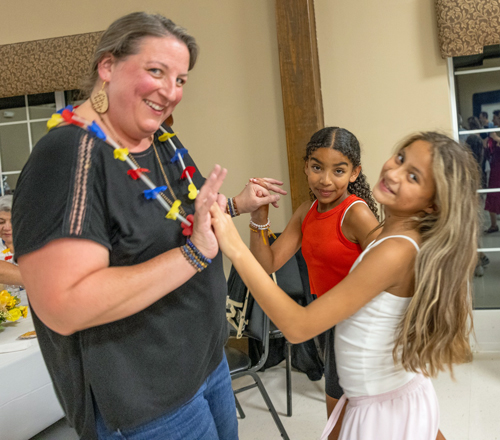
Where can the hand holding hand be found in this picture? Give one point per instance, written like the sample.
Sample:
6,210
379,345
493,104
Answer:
260,215
203,235
257,192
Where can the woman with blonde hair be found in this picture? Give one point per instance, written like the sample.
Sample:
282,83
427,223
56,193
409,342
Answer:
404,312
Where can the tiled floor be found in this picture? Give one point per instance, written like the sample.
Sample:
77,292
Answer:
470,406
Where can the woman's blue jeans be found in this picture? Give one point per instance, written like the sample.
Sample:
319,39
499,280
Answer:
209,415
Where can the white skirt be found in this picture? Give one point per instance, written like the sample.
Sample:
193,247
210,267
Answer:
410,412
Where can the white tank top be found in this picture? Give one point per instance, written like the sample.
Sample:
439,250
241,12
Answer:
364,343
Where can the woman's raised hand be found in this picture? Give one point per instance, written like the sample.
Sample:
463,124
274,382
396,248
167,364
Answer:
227,235
257,192
203,235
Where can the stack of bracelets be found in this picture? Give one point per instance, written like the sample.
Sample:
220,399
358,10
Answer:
231,207
254,227
194,256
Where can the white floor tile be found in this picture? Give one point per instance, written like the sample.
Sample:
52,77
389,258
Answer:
470,406
485,397
454,401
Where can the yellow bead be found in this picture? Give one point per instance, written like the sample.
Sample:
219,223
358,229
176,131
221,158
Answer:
121,154
54,121
193,192
174,210
166,136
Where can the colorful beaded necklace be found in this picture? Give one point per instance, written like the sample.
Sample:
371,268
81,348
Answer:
154,192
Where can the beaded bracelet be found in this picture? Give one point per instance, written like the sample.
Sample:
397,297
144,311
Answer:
191,259
254,227
231,207
233,201
194,256
197,252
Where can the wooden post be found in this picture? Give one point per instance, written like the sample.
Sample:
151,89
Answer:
300,86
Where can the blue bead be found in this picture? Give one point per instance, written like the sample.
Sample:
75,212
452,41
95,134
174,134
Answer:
68,107
180,152
151,194
94,128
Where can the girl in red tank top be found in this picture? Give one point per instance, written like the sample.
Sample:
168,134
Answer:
332,231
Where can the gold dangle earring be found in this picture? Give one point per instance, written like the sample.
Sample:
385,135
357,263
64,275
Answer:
100,101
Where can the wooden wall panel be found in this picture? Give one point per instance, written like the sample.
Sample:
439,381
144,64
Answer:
300,85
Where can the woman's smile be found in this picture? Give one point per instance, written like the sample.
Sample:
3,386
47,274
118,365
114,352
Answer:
154,106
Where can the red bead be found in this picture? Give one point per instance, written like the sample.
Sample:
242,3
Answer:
191,170
188,230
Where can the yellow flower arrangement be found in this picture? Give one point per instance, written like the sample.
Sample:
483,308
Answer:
9,308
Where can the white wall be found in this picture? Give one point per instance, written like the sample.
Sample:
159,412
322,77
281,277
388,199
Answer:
381,73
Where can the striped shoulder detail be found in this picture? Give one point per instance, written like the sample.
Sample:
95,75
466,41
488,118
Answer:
80,194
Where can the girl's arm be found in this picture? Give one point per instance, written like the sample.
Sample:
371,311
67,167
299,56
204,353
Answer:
385,267
273,257
359,221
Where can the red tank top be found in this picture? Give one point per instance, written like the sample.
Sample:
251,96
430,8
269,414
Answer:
328,253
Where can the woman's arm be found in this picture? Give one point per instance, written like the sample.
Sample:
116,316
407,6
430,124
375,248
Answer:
495,136
384,267
10,274
273,257
72,287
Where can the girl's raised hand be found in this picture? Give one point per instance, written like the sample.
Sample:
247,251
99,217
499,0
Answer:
229,239
203,236
258,192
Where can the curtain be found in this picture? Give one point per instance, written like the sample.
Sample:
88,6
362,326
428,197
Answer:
466,26
43,66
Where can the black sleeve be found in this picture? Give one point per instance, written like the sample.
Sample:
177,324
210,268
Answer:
59,193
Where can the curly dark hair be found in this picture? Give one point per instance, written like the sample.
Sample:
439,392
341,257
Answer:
346,143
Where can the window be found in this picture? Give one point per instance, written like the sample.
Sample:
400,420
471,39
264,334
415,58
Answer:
475,95
23,121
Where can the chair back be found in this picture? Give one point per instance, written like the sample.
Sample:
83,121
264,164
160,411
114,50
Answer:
288,278
258,328
257,324
293,277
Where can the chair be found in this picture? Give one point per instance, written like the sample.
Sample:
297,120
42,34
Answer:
240,363
291,279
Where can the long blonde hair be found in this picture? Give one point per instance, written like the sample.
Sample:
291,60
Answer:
435,330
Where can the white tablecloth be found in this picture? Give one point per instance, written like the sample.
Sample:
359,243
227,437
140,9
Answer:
28,403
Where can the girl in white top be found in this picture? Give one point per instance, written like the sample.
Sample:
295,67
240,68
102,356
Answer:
404,312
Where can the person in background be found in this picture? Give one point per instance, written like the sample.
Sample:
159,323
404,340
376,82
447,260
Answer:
492,203
10,276
475,143
129,312
473,123
485,123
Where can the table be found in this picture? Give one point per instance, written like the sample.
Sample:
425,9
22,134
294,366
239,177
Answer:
28,403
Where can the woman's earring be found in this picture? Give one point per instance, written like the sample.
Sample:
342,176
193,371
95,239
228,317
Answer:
100,101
